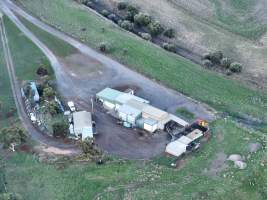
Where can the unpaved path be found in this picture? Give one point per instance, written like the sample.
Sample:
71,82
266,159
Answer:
80,85
58,147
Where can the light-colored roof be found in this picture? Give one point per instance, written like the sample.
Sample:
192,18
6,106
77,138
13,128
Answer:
185,140
155,113
176,148
195,134
128,110
82,120
125,97
109,94
150,121
178,120
136,104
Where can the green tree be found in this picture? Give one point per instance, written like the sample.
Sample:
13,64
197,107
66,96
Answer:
52,107
155,28
12,135
48,93
142,19
60,129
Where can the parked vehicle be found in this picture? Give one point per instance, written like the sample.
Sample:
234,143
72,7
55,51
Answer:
71,106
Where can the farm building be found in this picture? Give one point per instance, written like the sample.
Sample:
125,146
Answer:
82,124
113,99
135,111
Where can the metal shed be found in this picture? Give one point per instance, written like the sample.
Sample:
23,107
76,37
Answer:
82,124
129,114
108,97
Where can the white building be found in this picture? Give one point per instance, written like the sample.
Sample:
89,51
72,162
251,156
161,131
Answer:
82,125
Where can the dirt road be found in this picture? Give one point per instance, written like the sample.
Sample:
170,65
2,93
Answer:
80,83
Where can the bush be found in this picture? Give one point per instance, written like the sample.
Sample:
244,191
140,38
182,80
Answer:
207,63
129,16
145,36
133,10
142,19
122,5
127,25
155,28
105,13
60,129
236,67
206,56
169,47
53,108
104,47
48,93
226,62
12,135
112,17
216,57
170,33
41,71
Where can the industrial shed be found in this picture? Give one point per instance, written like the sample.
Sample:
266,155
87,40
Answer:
129,114
108,97
82,124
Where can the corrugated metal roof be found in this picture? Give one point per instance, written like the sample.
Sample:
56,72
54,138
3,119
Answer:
155,113
128,110
109,94
125,97
136,104
195,134
150,121
185,140
82,119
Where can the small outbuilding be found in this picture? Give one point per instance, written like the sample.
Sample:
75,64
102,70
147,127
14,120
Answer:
82,124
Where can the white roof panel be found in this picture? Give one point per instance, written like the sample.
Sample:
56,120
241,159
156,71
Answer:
176,148
82,120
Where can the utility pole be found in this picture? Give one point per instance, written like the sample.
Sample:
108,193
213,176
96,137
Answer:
92,102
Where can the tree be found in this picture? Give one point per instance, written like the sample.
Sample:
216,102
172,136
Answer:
226,62
236,67
145,36
155,28
52,107
127,25
48,93
122,5
105,13
12,135
207,63
104,47
216,57
89,148
142,19
60,129
170,33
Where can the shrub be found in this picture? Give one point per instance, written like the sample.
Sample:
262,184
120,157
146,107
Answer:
12,135
41,71
112,17
169,47
155,28
127,25
145,36
48,93
216,57
122,5
206,56
53,108
236,67
142,19
132,9
104,47
207,63
60,129
170,33
105,13
226,62
129,16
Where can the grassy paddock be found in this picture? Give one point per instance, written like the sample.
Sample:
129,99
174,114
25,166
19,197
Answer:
223,94
6,96
59,47
154,180
26,56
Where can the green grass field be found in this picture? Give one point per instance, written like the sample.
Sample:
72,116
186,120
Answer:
218,91
26,56
6,96
59,47
36,181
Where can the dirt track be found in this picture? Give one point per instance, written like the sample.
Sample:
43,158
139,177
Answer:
79,81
